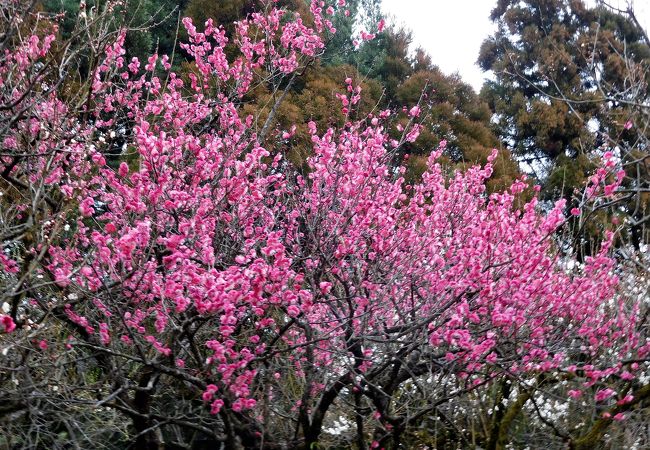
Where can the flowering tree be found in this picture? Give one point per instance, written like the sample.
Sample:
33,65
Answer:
198,288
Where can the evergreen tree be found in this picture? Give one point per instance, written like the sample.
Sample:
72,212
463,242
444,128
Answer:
570,81
152,24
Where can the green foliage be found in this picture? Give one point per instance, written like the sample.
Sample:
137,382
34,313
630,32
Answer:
452,111
152,23
223,12
340,49
542,55
568,78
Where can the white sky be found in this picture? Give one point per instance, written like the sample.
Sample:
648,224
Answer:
452,31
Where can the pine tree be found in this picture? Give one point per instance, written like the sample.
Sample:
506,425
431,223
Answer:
571,83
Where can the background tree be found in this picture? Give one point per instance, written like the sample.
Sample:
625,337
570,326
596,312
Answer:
571,82
152,24
453,112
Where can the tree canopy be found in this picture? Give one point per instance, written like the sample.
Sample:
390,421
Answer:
571,83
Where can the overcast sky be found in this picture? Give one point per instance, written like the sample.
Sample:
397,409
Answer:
452,30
